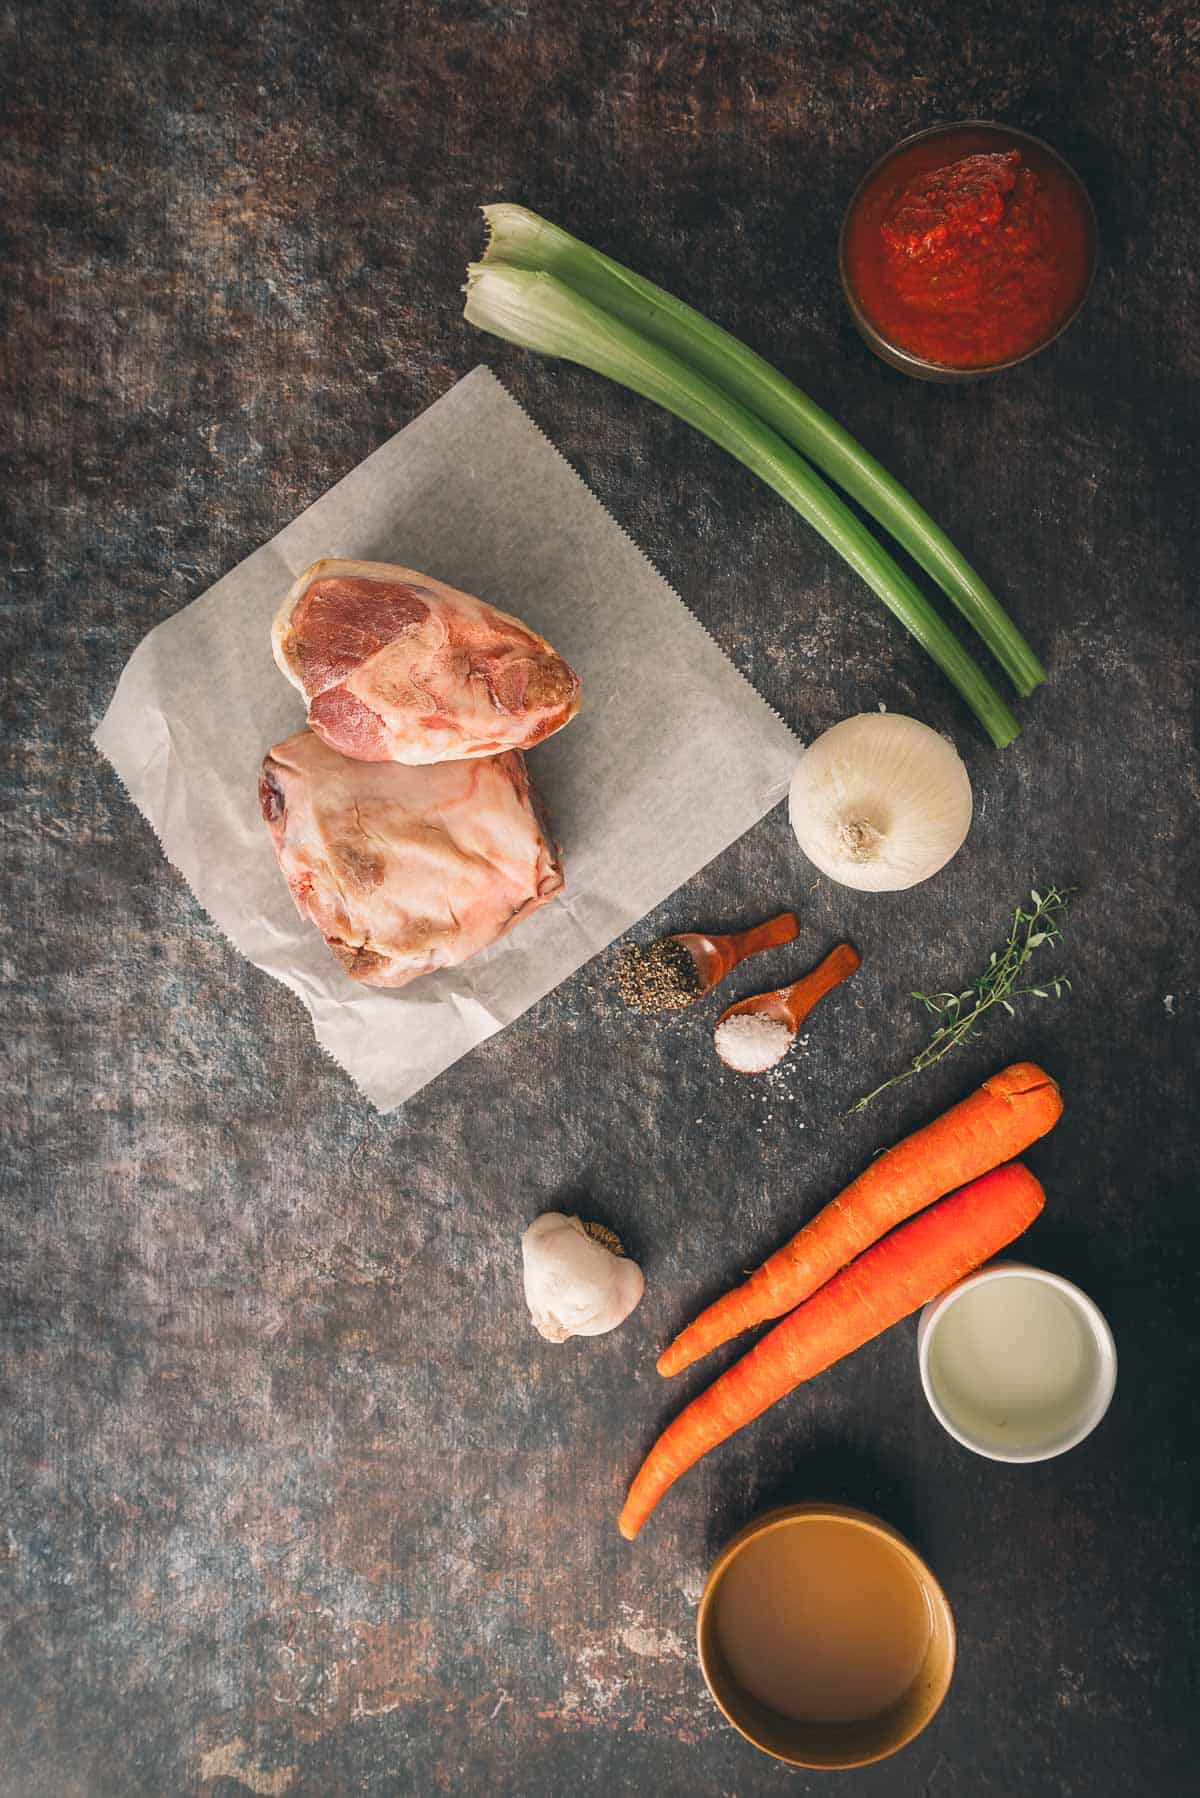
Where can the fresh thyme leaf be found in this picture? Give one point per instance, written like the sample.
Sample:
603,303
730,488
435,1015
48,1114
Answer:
999,984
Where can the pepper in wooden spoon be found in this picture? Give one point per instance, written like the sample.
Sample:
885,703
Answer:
678,970
756,1033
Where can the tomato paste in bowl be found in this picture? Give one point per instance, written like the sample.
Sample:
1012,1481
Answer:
966,249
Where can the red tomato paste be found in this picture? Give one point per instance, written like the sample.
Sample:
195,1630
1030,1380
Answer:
969,248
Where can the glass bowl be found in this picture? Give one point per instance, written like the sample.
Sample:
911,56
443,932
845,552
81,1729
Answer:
1005,137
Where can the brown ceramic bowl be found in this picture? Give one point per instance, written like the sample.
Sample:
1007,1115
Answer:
1043,158
828,1745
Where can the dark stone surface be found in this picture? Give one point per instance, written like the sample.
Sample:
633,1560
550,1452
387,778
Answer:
294,1500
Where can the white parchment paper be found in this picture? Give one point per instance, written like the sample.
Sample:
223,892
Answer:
672,757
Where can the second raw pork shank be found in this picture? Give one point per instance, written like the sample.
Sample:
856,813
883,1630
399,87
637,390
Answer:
404,870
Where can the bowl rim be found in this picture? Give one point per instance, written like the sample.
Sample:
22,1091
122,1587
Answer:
895,353
822,1511
1106,1379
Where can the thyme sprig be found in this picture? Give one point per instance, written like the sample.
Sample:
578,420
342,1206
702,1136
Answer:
960,1014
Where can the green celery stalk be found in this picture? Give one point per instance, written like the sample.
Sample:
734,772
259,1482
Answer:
522,239
538,312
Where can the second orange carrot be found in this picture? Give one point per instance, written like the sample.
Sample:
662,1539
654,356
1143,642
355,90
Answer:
895,1277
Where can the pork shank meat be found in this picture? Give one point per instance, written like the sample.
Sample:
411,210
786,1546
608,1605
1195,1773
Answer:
404,870
397,667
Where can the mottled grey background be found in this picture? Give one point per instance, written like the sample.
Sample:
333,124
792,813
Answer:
294,1500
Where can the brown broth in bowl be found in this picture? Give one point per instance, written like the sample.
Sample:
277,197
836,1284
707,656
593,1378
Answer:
822,1621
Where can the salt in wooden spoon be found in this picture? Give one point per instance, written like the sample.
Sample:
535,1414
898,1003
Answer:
790,1005
716,956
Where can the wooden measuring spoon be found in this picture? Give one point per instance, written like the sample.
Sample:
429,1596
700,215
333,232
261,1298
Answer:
715,956
790,1005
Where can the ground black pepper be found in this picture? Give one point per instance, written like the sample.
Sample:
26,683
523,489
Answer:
663,977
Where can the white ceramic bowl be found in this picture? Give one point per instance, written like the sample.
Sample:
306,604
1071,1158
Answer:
1017,1364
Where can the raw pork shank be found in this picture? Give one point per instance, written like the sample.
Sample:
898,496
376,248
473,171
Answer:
397,667
404,870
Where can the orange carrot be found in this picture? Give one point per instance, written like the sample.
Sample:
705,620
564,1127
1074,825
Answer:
894,1278
1009,1111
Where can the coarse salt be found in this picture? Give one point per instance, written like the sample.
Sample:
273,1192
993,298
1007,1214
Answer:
751,1044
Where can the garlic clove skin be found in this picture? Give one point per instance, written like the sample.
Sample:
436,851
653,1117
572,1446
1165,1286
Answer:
880,802
574,1285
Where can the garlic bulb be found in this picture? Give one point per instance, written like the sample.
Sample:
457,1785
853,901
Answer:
880,802
577,1281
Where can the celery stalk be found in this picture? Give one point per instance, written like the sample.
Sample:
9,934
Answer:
540,313
522,239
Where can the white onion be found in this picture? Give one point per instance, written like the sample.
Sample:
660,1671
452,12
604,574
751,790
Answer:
880,802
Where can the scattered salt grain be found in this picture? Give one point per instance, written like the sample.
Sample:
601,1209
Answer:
750,1044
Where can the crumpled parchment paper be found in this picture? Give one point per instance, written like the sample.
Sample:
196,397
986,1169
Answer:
672,757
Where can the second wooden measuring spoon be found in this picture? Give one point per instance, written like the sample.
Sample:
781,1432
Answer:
750,1051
